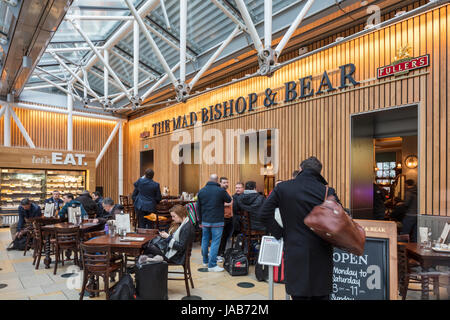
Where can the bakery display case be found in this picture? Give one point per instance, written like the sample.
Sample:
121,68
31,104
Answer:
65,181
36,185
17,184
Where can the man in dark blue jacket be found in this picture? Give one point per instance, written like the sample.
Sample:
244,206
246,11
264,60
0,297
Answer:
146,195
27,209
211,199
56,199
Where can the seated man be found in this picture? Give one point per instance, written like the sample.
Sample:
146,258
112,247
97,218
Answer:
97,197
69,201
89,205
27,209
110,209
251,201
56,199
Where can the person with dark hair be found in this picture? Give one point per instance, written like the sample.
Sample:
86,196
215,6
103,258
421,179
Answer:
228,221
97,197
251,201
89,205
56,199
27,209
110,209
211,214
379,197
409,222
308,258
69,201
146,195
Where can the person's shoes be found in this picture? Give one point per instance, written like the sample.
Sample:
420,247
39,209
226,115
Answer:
204,264
219,259
216,269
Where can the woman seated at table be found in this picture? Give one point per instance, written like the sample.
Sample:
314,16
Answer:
181,233
69,201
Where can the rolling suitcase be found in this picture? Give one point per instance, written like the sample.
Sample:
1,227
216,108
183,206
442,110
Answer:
278,272
151,281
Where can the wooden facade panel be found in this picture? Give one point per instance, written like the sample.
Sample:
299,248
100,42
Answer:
320,125
49,131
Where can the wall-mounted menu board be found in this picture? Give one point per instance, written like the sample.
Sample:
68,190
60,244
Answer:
372,276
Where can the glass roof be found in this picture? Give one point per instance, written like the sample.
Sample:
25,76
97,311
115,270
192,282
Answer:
5,18
207,27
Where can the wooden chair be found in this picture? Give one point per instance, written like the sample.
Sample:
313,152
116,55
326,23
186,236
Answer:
30,235
66,239
408,274
250,235
38,243
124,200
98,262
92,214
186,270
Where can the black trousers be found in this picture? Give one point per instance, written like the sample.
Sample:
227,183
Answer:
327,297
226,234
142,222
410,227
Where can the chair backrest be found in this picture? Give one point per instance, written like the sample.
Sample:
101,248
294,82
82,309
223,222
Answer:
37,230
92,214
245,221
402,262
146,231
96,258
403,238
68,237
124,200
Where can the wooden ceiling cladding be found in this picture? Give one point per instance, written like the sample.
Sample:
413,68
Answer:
49,131
320,125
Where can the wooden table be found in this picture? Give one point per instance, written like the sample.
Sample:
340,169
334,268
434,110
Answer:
48,231
132,248
427,259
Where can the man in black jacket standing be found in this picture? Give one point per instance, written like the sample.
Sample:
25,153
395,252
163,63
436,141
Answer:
308,258
211,199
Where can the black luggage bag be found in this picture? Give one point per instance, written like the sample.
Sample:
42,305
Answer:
151,281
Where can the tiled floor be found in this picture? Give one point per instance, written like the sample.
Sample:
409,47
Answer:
26,283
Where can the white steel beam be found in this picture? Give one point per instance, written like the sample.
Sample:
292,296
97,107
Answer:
56,50
76,17
124,30
214,57
230,15
30,106
169,42
152,42
267,23
183,35
163,7
69,121
141,84
22,128
7,126
57,86
118,55
249,23
99,56
2,111
44,86
106,75
293,27
135,58
158,83
65,66
98,75
106,146
120,160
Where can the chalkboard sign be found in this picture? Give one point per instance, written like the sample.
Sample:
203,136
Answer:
363,277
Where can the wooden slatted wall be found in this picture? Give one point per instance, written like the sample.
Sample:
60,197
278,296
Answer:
320,125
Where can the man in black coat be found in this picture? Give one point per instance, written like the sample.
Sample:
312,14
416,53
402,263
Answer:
146,195
251,201
308,258
89,205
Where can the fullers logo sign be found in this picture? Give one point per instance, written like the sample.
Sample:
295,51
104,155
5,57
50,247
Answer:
294,90
403,64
